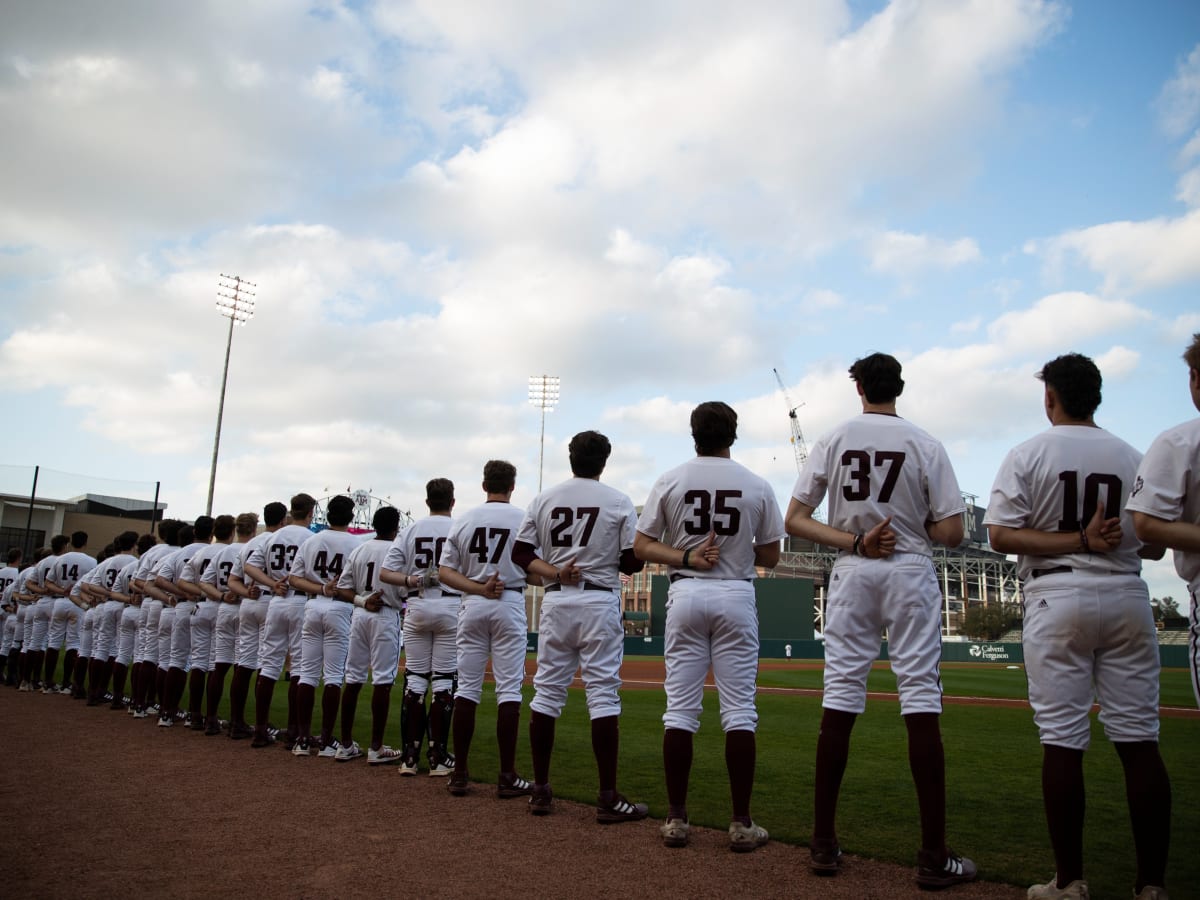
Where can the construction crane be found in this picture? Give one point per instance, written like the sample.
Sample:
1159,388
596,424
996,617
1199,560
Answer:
798,445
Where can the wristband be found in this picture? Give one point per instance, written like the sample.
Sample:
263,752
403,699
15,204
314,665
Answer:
360,600
686,555
858,549
1083,541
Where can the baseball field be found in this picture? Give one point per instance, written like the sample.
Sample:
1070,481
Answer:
993,788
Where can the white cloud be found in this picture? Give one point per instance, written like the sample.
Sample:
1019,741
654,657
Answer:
1136,256
901,253
1179,102
1118,362
966,326
1184,326
1074,316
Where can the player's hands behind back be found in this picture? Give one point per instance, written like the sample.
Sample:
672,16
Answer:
705,557
880,541
1103,535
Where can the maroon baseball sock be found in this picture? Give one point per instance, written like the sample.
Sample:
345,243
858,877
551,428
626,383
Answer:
606,740
331,699
833,750
1148,792
541,745
216,689
349,711
677,764
306,698
239,691
264,689
119,674
508,724
927,762
464,730
196,680
1063,795
740,756
381,701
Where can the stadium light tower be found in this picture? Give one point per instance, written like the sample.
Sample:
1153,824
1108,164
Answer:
543,393
236,302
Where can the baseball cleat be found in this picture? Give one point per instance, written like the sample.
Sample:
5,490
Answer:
1151,892
675,832
1075,890
213,729
954,870
240,732
513,785
261,740
442,767
458,784
165,722
345,754
541,800
744,838
620,810
328,751
408,765
385,755
302,747
825,857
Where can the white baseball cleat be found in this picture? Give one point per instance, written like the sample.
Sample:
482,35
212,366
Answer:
385,755
1076,890
330,750
345,754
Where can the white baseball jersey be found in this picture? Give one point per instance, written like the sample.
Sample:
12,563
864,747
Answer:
221,567
193,570
480,544
324,555
361,572
245,550
149,562
276,555
42,570
70,567
121,585
585,522
8,575
878,465
713,494
1053,482
418,548
173,564
108,572
1167,487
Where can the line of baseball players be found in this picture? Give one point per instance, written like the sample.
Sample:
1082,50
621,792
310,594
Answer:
1074,503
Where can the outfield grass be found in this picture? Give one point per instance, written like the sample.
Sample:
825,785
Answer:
993,773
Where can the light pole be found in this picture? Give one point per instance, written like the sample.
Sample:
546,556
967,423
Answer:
543,393
237,305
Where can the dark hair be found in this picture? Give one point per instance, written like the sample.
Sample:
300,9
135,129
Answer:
1191,355
105,552
879,377
145,542
58,543
1076,382
386,520
14,555
125,541
168,530
42,553
274,513
439,494
203,528
187,535
499,476
79,539
589,452
714,427
247,523
223,528
302,507
340,511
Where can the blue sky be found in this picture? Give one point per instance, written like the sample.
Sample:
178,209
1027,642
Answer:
658,202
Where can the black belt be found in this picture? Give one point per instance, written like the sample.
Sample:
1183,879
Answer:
583,585
679,575
1064,570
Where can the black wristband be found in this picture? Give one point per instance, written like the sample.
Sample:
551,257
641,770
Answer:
858,549
684,563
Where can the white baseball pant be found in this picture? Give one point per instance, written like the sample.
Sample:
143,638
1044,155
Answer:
375,641
495,628
579,629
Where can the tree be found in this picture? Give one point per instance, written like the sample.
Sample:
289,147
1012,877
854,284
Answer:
1165,608
987,623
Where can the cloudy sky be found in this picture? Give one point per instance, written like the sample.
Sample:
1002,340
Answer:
659,202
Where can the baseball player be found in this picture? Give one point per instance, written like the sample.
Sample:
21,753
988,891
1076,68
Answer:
174,628
153,602
203,619
585,532
430,629
1165,502
326,628
892,493
269,565
214,583
8,577
65,617
43,612
712,521
252,621
1088,630
477,561
25,595
105,638
16,653
129,648
375,639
